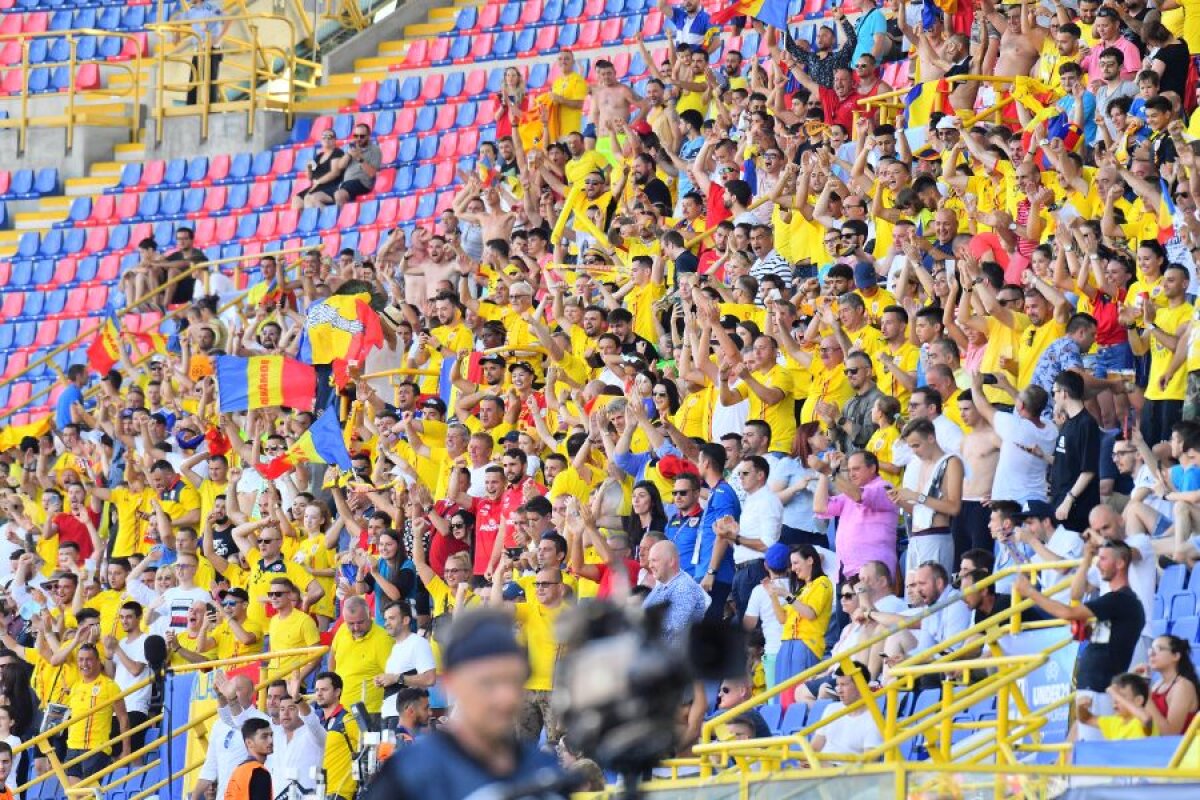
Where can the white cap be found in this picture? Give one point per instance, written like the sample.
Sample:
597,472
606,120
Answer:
946,123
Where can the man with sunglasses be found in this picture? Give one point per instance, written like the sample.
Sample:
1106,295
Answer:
290,628
236,634
359,166
267,563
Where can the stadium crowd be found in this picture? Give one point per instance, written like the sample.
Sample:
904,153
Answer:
736,345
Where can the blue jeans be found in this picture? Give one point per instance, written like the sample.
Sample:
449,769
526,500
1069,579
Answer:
1114,357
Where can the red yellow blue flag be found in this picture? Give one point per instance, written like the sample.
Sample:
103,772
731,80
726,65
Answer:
323,443
768,12
1166,213
340,330
925,98
263,381
105,349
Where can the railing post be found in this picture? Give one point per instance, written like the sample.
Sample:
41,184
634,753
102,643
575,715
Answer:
204,57
72,43
254,53
23,130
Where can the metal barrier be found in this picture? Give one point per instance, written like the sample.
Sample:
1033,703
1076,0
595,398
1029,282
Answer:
88,334
889,105
248,67
73,113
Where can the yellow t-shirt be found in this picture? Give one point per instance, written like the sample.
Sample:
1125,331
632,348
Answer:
830,386
536,624
259,581
190,641
1034,341
297,631
876,304
1002,342
1116,727
564,120
1168,320
358,661
340,746
640,302
882,443
229,646
131,526
694,417
781,416
906,357
84,696
313,554
443,598
817,595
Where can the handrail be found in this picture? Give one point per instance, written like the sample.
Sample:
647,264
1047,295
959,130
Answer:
27,119
709,726
252,65
129,307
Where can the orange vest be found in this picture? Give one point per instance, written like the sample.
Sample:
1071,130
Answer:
238,787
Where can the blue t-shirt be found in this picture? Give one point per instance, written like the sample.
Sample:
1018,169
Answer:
871,24
721,501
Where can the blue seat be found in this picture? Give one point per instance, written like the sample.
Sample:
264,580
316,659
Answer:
60,79
637,65
164,231
81,209
197,169
510,14
86,269
423,177
233,250
404,179
301,130
466,115
6,335
426,206
307,222
193,200
573,9
86,18
86,47
55,302
110,19
386,96
148,206
613,8
407,150
772,715
524,41
793,719
35,302
261,164
239,168
410,90
343,124
110,46
25,334
247,226
503,46
43,272
281,192
327,219
60,50
39,51
21,183
134,18
22,271
631,27
175,174
426,148
453,86
74,240
1185,628
539,74
238,196
552,11
568,35
350,240
466,19
131,175
460,48
1172,580
118,237
385,122
51,245
368,211
426,118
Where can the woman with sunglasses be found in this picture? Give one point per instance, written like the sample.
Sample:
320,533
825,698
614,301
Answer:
324,173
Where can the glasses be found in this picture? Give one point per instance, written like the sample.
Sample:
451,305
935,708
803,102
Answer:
267,541
458,526
276,594
658,394
681,493
276,449
847,595
229,605
845,235
853,370
545,584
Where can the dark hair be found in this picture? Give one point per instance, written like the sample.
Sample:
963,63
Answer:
809,552
715,454
332,677
252,726
1183,649
1134,683
1071,383
981,558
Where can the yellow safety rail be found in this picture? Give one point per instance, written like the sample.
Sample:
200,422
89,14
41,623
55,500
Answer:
889,105
251,63
983,635
86,335
63,110
91,784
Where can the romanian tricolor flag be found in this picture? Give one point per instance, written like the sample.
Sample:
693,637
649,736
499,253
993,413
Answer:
1166,213
340,330
105,349
768,12
262,381
323,443
148,342
925,98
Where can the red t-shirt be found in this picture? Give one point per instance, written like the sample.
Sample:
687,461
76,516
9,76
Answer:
512,499
487,528
839,111
715,210
608,576
73,531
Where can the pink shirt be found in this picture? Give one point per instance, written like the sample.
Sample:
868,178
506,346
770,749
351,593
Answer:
867,529
1129,67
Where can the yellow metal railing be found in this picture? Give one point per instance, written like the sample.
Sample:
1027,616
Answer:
254,75
889,105
123,103
88,334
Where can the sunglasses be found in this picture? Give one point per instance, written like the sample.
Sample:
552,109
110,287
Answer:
853,370
229,605
545,584
848,596
276,594
267,541
457,526
682,493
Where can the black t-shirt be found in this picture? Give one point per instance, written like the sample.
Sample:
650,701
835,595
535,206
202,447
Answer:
1078,450
641,348
223,543
686,263
657,192
1003,602
182,291
1115,633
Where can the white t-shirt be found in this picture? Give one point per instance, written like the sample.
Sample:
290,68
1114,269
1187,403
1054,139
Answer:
760,606
135,651
1020,476
1143,479
14,742
923,515
414,653
172,611
8,547
853,734
1067,545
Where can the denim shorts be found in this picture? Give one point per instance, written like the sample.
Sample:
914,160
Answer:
1114,357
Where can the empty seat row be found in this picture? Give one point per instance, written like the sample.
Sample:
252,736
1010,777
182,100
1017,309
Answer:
26,184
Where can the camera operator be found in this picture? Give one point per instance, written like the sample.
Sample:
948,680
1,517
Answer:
485,670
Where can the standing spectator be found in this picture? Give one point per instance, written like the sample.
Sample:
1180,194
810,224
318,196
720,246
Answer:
762,517
290,628
1074,483
93,725
931,495
685,600
867,515
712,558
409,664
210,28
125,661
807,614
359,653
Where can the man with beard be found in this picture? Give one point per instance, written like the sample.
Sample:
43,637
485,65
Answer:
821,63
447,340
647,182
519,487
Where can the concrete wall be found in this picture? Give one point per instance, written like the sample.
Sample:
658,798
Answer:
227,133
366,44
47,147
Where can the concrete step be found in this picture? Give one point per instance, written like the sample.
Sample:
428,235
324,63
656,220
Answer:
124,153
425,29
35,220
79,187
375,63
106,169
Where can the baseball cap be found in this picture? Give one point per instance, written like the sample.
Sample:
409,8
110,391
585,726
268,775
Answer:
492,359
1038,509
1105,11
946,123
525,365
240,594
778,557
864,275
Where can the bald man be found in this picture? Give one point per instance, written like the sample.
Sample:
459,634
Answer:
226,750
1107,523
686,601
359,652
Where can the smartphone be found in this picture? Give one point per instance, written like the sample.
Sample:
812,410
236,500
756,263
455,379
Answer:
514,552
989,379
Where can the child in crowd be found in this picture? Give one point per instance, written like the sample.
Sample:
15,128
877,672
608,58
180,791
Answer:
1129,694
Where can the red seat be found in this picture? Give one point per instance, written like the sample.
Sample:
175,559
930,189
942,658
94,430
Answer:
610,32
97,296
431,87
406,120
5,272
443,175
250,249
439,49
103,209
486,110
368,93
11,23
589,32
87,78
47,332
489,16
447,145
136,46
475,83
387,211
620,61
64,272
654,23
110,265
365,118
76,304
12,82
547,37
218,167
468,142
531,12
204,232
10,54
481,48
268,223
37,22
14,303
446,115
287,222
97,240
384,181
152,173
388,149
260,196
347,217
407,208
445,200
319,126
331,243
127,208
417,54
226,228
214,198
5,181
284,161
368,241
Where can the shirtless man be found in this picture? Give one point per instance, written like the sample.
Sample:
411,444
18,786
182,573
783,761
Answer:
1020,44
980,452
494,220
428,261
612,103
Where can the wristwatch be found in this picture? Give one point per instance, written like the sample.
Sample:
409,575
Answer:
921,498
712,572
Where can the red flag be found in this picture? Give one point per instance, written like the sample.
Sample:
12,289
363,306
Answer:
105,349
